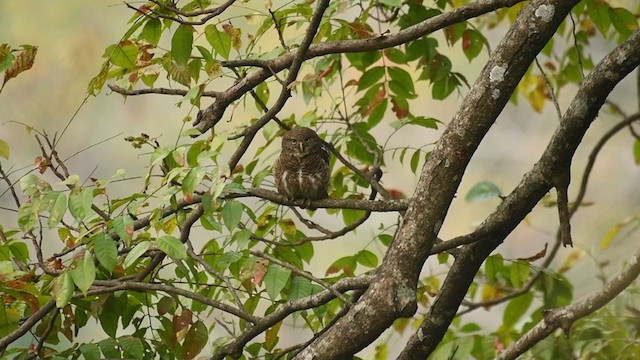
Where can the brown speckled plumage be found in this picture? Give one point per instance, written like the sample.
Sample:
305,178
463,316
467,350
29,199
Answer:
302,169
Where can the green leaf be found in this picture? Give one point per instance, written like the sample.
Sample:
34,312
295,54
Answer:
515,309
123,55
80,201
350,216
194,150
132,346
403,81
195,340
231,214
482,191
19,250
443,257
429,123
110,314
443,87
395,55
109,348
57,209
84,273
193,179
6,57
5,151
519,273
62,289
135,253
385,239
90,351
472,42
159,154
182,44
470,327
392,3
493,266
123,226
599,14
28,214
370,77
378,113
152,31
300,287
623,21
367,258
415,159
106,251
220,41
276,279
172,246
636,152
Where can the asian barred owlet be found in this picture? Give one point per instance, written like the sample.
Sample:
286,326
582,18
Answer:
302,170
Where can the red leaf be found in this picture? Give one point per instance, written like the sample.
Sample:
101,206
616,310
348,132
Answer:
380,96
259,270
326,71
362,31
400,112
396,194
466,40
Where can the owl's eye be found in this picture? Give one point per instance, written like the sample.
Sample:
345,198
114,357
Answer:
293,141
307,140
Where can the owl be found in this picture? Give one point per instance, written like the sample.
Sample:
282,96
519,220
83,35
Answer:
302,169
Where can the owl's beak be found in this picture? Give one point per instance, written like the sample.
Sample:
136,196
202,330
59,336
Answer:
301,147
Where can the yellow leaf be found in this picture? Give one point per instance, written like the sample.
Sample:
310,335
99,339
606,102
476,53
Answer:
489,293
382,351
23,62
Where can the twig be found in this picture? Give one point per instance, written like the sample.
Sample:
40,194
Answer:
161,91
110,286
210,13
561,180
552,92
50,325
277,25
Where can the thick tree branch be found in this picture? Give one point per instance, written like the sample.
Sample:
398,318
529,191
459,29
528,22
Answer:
208,117
393,292
535,184
234,348
564,317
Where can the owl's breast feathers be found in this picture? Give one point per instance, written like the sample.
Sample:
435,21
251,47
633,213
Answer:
306,177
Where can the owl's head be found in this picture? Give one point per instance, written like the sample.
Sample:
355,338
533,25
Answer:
301,141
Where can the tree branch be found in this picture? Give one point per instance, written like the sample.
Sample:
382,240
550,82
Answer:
535,184
234,348
564,317
208,117
161,91
393,291
29,323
